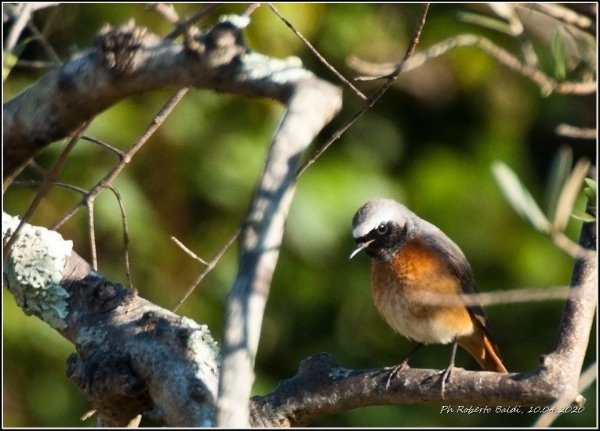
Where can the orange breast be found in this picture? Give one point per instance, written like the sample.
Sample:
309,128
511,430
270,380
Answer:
413,294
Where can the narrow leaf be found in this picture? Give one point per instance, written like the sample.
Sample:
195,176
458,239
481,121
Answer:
559,172
569,193
590,190
485,22
519,197
557,48
584,217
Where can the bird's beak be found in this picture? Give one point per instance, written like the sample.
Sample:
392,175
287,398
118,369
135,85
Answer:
360,248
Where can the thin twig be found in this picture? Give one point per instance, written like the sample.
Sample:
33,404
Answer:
187,251
36,64
45,186
521,295
317,54
54,184
83,192
127,156
250,9
588,377
546,84
23,14
104,145
92,233
570,247
576,132
186,22
209,266
125,234
41,38
368,104
563,14
166,10
508,11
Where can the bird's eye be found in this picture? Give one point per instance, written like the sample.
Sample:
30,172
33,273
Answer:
382,229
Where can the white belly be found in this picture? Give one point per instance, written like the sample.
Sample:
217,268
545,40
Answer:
433,328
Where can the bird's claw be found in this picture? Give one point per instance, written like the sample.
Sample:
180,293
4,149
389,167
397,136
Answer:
395,371
445,378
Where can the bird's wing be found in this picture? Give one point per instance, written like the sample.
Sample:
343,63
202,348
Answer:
459,266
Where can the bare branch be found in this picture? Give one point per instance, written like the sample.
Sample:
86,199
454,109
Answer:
318,54
166,10
189,252
22,14
576,132
105,182
587,378
127,61
547,85
44,187
41,38
577,318
322,388
210,265
311,105
563,14
127,347
104,145
187,22
370,102
508,11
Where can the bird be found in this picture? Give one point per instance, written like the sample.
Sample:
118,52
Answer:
419,279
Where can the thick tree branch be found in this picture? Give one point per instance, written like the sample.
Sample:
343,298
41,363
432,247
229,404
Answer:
129,60
127,347
311,105
322,387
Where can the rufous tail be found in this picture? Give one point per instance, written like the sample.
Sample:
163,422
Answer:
483,349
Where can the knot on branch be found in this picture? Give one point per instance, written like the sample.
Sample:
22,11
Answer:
110,384
322,365
118,46
315,372
224,43
106,296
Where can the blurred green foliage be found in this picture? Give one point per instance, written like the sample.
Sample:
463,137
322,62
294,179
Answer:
194,180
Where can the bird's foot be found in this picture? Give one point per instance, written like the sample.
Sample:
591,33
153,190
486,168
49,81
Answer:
395,371
445,376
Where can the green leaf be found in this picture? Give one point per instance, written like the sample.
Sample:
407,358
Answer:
8,62
584,217
485,22
569,193
590,190
519,197
559,56
10,58
559,172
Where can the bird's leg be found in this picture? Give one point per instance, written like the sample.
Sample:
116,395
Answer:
446,374
394,371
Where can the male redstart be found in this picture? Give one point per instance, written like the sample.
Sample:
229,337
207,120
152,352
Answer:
419,278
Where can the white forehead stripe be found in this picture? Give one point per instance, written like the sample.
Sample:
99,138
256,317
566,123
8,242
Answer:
376,212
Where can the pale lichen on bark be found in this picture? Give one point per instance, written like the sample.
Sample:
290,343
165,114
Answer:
33,270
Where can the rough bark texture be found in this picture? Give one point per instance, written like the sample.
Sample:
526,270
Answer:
135,357
127,347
